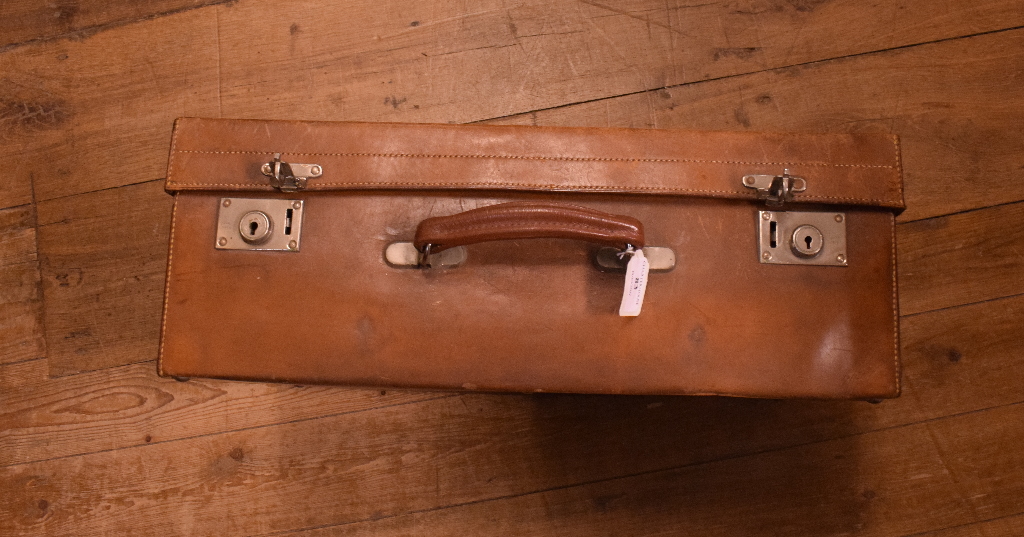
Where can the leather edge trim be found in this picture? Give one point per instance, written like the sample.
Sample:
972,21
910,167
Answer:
731,194
895,313
543,157
898,168
167,290
170,159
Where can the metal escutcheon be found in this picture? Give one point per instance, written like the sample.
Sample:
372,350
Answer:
259,224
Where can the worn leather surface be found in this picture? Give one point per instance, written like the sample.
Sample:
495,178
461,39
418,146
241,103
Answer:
532,315
528,220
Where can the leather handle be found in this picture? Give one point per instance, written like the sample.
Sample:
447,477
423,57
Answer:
528,220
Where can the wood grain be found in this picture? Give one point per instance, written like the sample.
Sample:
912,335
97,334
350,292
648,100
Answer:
375,465
443,62
103,262
1006,526
78,113
26,21
17,236
956,106
985,460
967,358
21,331
961,258
43,418
886,483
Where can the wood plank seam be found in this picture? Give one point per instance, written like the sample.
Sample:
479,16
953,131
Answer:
19,362
105,189
641,474
580,484
956,213
748,73
915,314
89,31
953,477
218,433
41,312
968,525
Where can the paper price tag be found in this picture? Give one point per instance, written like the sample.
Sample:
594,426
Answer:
636,285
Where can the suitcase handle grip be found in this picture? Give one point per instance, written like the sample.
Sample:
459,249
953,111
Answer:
528,220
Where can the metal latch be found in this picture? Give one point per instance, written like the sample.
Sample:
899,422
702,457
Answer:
289,176
802,238
775,189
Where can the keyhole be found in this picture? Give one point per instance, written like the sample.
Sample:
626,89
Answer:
806,241
254,225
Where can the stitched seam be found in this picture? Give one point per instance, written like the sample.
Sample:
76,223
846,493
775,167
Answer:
170,160
895,289
895,309
167,288
581,188
587,227
899,165
537,157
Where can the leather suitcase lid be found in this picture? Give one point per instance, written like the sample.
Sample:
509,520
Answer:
840,169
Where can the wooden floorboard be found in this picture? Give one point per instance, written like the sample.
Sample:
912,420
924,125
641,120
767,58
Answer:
1010,525
885,483
127,406
21,330
28,22
110,448
984,246
103,265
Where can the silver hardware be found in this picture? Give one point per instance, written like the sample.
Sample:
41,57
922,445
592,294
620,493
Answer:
405,255
806,241
802,238
424,260
775,189
290,176
259,224
661,259
254,227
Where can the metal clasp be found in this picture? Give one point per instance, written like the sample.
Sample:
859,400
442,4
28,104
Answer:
775,189
289,177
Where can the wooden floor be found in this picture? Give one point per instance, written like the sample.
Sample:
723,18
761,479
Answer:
92,442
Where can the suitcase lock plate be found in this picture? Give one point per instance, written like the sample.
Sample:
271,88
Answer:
259,224
802,238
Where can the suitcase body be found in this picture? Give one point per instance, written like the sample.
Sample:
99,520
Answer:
783,281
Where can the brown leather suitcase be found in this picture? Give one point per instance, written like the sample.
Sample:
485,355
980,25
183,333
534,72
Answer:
494,258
